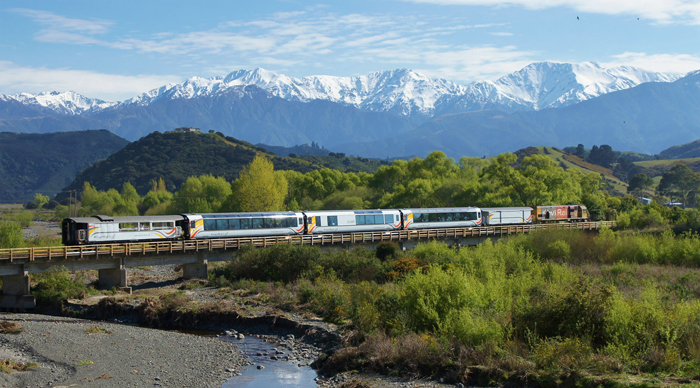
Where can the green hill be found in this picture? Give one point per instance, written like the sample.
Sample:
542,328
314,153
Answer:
46,163
175,156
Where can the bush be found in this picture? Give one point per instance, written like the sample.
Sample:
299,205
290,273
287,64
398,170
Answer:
11,235
55,285
387,249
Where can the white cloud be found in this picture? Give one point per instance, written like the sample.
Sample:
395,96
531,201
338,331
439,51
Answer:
58,22
659,11
110,87
664,63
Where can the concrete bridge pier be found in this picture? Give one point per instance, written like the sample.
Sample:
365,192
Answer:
15,292
109,278
196,270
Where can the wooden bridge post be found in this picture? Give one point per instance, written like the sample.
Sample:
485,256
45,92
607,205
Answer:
15,292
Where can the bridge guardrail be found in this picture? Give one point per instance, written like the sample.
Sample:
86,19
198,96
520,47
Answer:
8,256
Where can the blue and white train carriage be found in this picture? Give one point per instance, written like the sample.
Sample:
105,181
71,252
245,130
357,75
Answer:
224,225
450,217
340,221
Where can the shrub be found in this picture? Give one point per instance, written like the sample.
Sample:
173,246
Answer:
55,285
11,235
387,249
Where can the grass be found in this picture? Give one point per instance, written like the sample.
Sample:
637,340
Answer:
97,330
85,362
665,162
7,327
9,366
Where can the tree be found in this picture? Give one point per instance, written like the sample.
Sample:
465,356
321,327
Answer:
603,156
38,202
639,182
580,151
681,183
259,189
538,181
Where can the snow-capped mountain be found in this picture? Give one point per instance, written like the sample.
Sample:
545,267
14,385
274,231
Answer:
65,103
405,92
401,92
553,85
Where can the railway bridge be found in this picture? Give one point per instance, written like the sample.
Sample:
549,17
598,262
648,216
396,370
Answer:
112,260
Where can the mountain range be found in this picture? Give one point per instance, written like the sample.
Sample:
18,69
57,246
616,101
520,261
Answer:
394,113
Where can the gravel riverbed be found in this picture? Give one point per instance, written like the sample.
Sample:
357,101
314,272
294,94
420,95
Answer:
68,355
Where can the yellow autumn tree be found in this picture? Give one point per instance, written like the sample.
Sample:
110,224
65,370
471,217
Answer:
259,188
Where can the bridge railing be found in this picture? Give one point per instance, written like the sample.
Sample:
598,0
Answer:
218,245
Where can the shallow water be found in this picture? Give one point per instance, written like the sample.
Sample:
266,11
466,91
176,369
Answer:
276,373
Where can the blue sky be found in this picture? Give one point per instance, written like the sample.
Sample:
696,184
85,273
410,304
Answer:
115,50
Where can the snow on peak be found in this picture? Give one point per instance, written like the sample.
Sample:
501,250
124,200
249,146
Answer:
401,91
67,103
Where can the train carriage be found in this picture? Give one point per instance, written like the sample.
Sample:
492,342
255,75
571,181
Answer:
340,221
225,225
506,215
104,229
452,217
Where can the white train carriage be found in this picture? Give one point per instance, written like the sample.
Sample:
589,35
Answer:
224,225
507,215
339,221
451,217
104,229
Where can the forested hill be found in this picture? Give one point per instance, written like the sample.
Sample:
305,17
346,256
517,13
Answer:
175,156
46,163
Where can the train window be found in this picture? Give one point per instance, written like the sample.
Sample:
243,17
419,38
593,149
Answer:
234,223
388,219
397,218
471,216
301,221
245,223
379,219
221,224
332,220
127,226
258,223
209,224
144,226
360,220
432,217
292,222
420,217
162,225
450,217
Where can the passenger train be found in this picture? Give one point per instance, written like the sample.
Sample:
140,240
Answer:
105,229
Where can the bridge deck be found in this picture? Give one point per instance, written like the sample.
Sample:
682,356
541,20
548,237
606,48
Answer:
102,251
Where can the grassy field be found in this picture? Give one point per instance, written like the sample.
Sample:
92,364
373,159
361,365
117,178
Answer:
665,162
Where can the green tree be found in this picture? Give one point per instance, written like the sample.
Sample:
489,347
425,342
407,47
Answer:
38,202
680,183
639,182
538,180
258,188
203,194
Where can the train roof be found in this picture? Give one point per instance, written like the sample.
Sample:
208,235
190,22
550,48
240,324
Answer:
103,218
442,209
512,208
241,215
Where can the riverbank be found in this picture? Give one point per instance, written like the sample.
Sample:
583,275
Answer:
82,353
